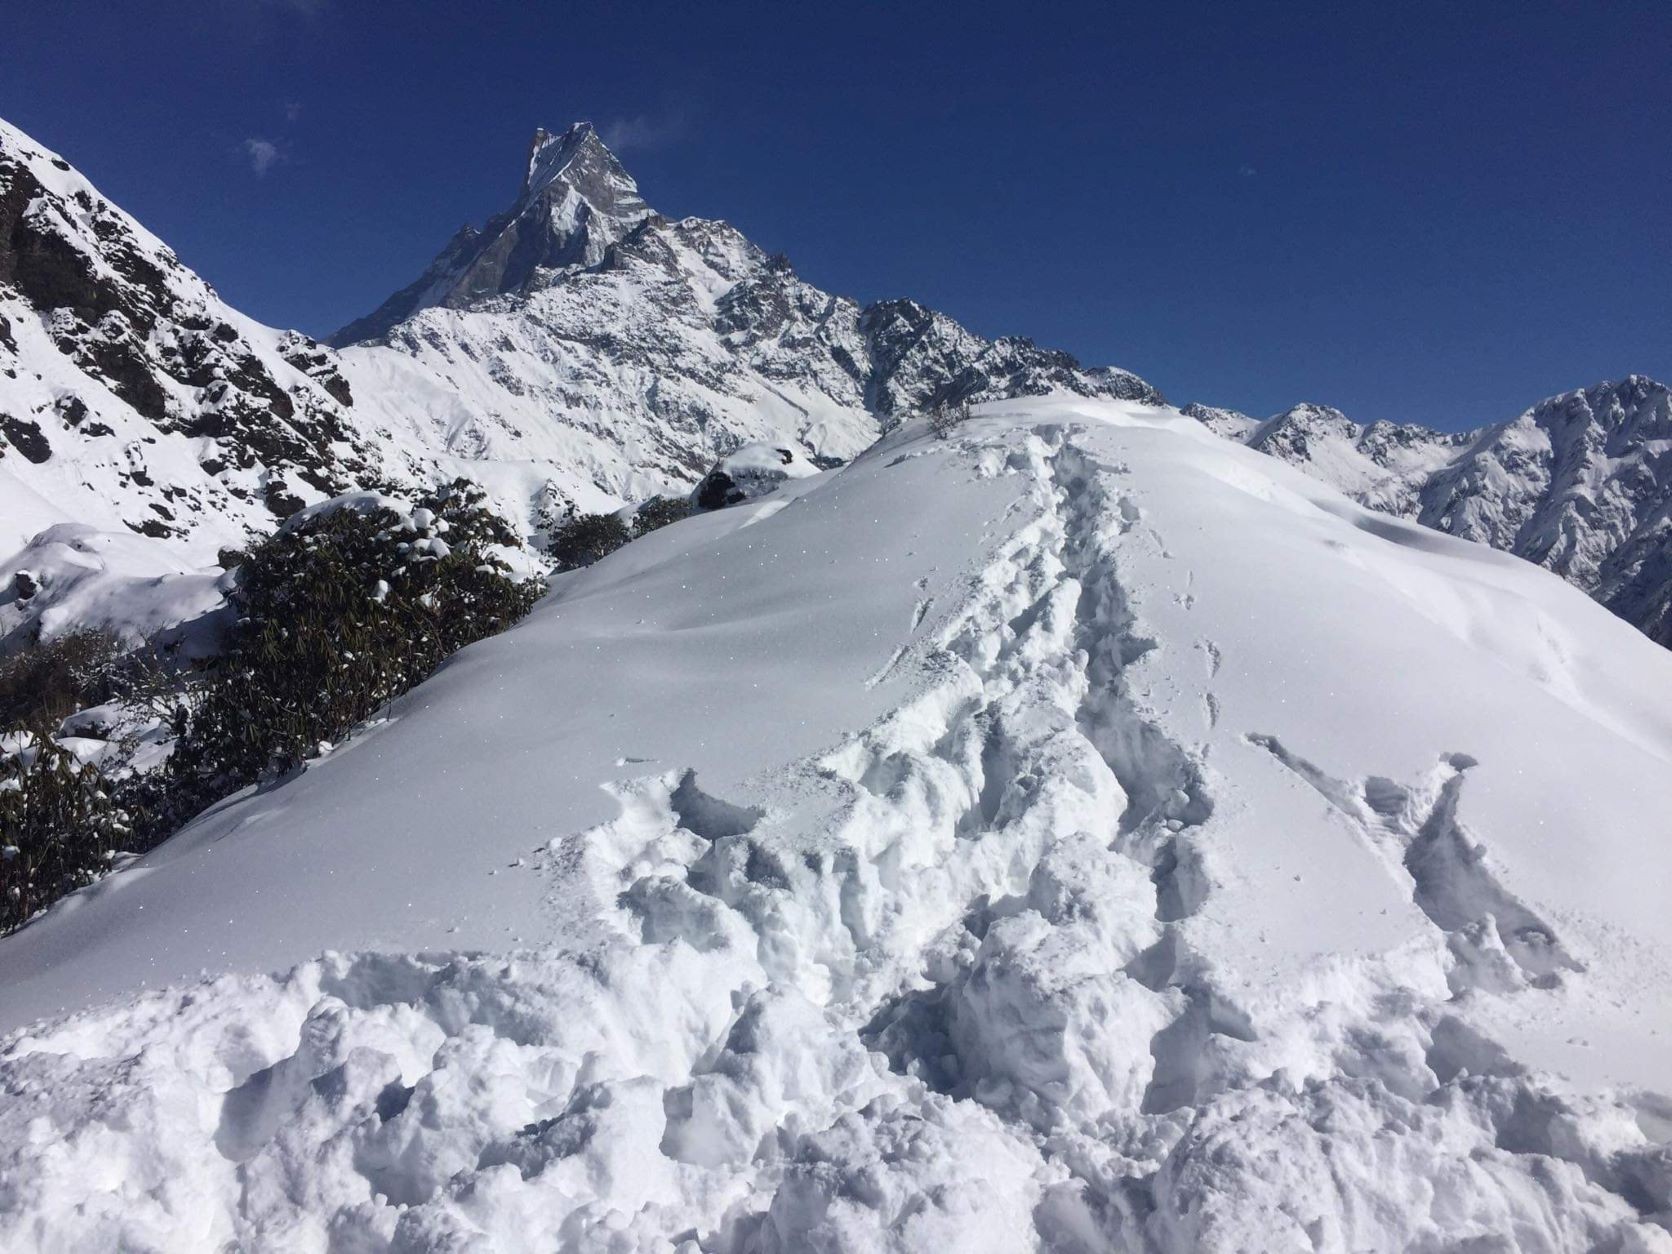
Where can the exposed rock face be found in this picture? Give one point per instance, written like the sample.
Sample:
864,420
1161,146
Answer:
1580,483
130,395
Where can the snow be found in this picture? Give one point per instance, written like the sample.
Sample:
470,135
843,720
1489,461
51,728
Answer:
366,502
130,585
1081,833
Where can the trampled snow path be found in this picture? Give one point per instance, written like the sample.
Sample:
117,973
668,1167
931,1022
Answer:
1084,940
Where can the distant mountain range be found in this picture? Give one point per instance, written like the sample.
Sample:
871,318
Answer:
1580,483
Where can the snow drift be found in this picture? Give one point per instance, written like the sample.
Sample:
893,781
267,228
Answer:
1079,834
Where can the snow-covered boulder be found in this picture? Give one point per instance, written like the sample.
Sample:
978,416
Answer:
751,471
73,577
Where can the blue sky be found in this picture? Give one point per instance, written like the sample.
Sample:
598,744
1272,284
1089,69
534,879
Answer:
1427,212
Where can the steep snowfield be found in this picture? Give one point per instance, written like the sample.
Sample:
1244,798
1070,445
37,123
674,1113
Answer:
1083,833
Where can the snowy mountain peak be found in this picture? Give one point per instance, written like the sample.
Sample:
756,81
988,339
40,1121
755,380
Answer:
576,201
626,350
578,164
1634,408
551,153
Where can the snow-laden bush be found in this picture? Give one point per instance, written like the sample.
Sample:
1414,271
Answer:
585,538
61,823
348,606
947,416
337,615
658,512
45,682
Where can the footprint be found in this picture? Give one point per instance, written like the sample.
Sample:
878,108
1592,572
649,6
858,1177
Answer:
1451,882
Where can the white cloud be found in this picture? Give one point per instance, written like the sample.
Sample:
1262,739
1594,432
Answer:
264,154
1247,171
624,134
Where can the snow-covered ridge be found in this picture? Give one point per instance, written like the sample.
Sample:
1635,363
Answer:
1078,834
1580,483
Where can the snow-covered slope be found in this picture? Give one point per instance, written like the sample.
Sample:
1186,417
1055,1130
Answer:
1580,483
144,424
1079,834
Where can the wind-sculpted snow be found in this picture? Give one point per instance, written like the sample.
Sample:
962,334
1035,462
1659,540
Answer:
1079,834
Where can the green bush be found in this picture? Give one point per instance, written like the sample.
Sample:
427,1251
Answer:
336,618
658,512
61,821
585,538
46,682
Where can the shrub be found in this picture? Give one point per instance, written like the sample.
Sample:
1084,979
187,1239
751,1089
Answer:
46,682
945,417
463,505
60,825
658,512
337,617
585,538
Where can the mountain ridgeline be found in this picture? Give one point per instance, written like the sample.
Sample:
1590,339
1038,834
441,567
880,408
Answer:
678,337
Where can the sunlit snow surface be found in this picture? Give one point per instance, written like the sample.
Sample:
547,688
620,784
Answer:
1082,833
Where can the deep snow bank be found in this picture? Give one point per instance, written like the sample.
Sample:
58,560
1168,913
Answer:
1079,834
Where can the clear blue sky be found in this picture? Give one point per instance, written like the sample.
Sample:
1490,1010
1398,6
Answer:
1422,211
